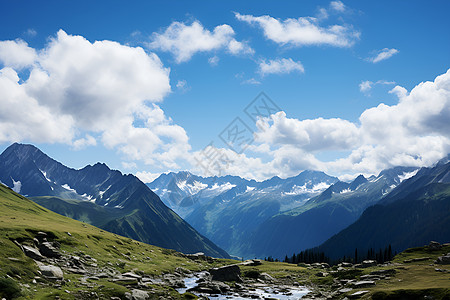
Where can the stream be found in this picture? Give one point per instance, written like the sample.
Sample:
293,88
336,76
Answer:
255,291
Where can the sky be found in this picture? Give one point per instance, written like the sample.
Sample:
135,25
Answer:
254,89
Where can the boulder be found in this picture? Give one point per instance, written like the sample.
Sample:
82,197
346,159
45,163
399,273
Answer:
226,273
210,287
357,294
32,252
443,260
51,271
48,250
363,284
137,295
434,246
369,263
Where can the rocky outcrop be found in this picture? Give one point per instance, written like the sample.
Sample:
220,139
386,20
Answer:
443,260
226,273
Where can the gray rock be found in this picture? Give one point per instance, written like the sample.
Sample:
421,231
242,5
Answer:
211,287
51,271
131,275
266,277
443,260
363,284
138,295
357,294
434,246
369,263
345,290
32,253
226,273
48,250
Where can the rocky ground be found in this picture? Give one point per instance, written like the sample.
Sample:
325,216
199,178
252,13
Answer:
79,275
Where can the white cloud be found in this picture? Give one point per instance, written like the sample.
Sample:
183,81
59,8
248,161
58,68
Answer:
147,177
213,61
129,165
183,41
280,66
365,86
252,81
16,54
309,135
182,85
414,132
31,32
82,143
304,31
337,6
383,55
77,89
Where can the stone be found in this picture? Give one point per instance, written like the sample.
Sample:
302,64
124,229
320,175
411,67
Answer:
48,250
363,284
345,290
51,271
32,253
357,294
443,260
434,246
139,295
369,263
266,277
131,275
210,287
226,273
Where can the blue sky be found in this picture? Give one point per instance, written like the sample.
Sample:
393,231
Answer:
167,77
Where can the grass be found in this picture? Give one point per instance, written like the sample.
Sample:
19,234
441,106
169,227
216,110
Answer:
21,220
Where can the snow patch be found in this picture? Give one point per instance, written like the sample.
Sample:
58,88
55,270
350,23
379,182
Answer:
250,188
67,187
223,187
297,190
345,191
102,192
407,175
45,175
17,185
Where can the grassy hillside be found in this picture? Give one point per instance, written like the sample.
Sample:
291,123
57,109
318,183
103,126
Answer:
21,220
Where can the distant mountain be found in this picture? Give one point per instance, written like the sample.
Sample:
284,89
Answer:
413,214
228,209
102,197
322,216
184,192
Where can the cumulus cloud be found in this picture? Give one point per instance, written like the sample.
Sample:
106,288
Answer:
304,31
279,66
77,89
413,132
16,54
383,54
183,40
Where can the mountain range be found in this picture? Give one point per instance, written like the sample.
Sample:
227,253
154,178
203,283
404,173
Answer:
411,215
229,209
105,198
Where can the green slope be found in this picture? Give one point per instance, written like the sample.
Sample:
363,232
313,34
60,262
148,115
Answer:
21,219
